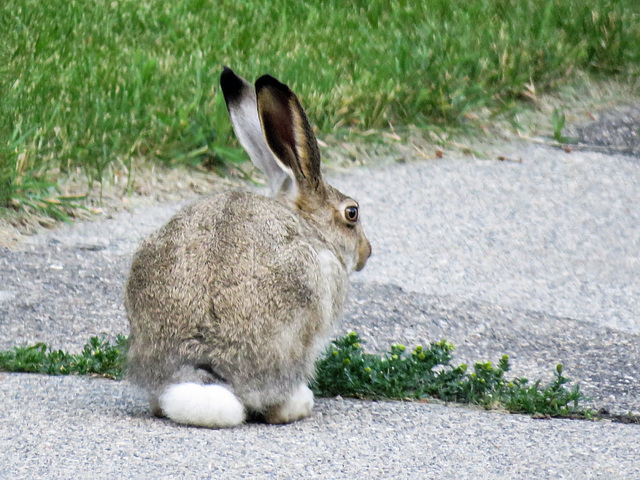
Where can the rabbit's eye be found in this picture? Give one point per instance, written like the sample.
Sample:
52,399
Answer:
351,213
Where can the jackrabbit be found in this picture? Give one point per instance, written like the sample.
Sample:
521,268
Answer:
233,299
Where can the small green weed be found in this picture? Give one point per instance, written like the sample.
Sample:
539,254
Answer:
557,121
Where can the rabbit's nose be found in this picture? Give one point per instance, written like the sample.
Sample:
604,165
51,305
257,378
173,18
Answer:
364,252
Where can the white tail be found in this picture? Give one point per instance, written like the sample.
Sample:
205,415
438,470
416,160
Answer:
212,406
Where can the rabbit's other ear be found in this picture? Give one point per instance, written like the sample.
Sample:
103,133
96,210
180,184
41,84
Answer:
240,98
289,134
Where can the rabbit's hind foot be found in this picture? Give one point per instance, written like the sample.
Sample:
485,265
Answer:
298,406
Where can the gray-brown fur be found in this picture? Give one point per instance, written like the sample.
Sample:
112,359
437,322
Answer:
242,290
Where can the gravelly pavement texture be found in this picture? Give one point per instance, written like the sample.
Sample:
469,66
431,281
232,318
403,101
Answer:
617,130
538,259
78,428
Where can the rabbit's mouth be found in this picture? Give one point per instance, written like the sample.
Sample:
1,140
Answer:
364,252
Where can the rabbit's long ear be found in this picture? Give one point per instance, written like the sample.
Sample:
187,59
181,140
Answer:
289,134
240,98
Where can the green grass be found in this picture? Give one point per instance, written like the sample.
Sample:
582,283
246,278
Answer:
100,85
346,370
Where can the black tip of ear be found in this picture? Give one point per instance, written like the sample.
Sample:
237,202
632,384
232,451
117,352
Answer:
278,89
231,85
270,82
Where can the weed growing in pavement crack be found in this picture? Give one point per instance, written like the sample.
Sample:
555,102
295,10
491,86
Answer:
99,357
347,370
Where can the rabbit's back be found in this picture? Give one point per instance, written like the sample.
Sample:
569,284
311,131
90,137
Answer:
237,282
